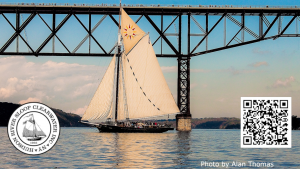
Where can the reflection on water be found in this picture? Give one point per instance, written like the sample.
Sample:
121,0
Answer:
139,150
183,148
87,148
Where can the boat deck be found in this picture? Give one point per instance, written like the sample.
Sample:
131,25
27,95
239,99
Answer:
118,129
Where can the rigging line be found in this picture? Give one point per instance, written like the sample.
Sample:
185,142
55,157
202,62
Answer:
33,124
136,44
40,128
91,115
89,95
145,95
107,113
115,86
175,31
108,108
112,105
126,114
138,118
118,65
132,73
25,33
143,81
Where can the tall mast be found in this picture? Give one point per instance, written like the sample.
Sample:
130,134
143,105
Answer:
34,126
118,60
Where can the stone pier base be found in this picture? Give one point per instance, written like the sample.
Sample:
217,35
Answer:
183,122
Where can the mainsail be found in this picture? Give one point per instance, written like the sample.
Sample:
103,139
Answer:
31,129
146,89
142,89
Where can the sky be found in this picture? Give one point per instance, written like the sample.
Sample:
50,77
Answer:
218,80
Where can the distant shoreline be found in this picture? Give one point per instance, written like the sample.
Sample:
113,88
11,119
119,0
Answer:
72,120
65,119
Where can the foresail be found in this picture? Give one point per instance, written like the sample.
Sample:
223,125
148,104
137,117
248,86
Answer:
146,89
130,31
122,98
101,104
28,130
39,131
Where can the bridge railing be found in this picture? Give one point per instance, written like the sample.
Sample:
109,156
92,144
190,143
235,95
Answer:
148,5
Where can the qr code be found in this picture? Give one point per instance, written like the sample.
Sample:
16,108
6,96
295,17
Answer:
266,122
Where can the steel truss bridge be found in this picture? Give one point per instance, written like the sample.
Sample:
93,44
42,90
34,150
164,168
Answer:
225,15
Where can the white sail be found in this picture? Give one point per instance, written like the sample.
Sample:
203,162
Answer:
31,129
142,89
28,130
39,131
122,97
101,104
146,89
130,31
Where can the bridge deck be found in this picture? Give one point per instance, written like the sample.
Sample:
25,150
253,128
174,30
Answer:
150,9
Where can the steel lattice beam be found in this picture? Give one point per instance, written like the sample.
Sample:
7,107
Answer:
263,13
225,13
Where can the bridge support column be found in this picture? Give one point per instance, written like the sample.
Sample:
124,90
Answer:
183,120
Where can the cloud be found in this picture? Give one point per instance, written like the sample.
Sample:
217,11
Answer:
79,111
30,99
234,71
284,83
9,90
220,100
258,64
168,69
200,70
6,92
82,90
193,85
257,50
57,84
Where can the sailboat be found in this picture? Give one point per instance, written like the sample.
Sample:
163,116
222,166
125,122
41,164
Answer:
133,86
32,130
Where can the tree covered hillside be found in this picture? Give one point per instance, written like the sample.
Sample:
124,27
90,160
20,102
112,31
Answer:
65,119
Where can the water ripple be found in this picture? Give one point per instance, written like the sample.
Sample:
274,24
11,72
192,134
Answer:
87,148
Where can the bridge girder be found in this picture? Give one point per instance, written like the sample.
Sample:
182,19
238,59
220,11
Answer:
183,84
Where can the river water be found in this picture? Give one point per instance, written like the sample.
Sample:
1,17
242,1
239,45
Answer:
87,148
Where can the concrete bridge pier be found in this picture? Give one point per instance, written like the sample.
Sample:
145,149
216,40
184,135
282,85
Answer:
183,122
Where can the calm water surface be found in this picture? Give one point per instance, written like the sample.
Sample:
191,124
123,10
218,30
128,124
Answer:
86,148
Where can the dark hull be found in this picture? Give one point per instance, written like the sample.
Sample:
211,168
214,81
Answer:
34,139
117,129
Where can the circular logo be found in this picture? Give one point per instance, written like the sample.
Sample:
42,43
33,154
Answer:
33,128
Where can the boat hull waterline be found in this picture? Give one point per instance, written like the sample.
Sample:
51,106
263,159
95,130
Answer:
117,129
